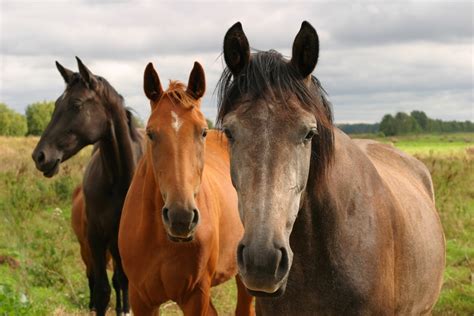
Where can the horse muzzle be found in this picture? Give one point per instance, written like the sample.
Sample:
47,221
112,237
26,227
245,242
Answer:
264,270
47,161
180,224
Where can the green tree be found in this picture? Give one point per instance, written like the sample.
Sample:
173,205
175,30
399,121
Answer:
388,125
11,122
38,116
421,118
405,124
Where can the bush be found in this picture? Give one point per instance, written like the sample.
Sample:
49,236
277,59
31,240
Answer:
11,122
38,116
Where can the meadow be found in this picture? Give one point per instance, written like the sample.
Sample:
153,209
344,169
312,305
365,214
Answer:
41,272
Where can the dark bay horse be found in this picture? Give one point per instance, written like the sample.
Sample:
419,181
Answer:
180,226
90,111
333,226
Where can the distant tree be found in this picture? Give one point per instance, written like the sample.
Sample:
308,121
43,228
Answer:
359,128
210,124
388,125
421,118
11,122
405,124
418,122
38,116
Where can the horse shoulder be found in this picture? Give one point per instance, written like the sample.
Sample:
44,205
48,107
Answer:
130,239
221,198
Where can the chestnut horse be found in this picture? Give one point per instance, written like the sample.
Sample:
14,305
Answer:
180,226
90,111
333,226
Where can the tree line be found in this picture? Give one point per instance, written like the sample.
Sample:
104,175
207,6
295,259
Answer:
414,123
38,114
33,122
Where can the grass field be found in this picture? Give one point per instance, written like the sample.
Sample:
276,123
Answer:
40,268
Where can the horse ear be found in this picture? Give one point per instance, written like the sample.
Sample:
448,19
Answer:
152,84
87,75
305,50
65,73
197,81
236,49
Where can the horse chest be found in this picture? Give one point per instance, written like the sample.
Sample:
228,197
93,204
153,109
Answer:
174,273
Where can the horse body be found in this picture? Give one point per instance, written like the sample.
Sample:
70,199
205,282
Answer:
180,225
173,270
90,111
362,251
332,226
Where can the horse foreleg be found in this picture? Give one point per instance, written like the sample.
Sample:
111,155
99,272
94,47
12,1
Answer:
101,291
198,302
90,279
121,279
118,296
139,307
244,300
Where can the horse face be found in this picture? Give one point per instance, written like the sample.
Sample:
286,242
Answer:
270,161
176,131
267,114
77,120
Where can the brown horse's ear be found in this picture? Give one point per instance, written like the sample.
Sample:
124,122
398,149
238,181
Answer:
305,50
152,84
87,75
236,49
197,81
65,73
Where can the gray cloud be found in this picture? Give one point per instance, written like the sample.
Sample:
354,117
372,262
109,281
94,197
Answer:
375,57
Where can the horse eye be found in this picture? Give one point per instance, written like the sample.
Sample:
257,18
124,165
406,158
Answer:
228,134
204,132
150,135
310,134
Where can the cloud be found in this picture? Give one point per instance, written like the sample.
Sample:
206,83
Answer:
376,57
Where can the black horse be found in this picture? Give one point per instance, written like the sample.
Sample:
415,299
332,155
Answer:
90,111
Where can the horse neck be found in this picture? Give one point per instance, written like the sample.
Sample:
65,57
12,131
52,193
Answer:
116,148
351,190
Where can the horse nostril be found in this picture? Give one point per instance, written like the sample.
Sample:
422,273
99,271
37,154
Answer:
240,257
283,265
41,157
195,219
165,215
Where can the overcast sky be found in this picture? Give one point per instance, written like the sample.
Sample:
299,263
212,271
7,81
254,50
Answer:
376,57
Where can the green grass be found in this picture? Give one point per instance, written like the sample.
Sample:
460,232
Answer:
429,144
45,275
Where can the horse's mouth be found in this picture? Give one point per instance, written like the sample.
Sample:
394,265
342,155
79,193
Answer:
180,239
53,170
277,293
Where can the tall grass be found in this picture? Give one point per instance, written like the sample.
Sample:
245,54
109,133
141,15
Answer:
41,272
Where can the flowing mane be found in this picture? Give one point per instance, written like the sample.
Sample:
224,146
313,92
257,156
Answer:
269,75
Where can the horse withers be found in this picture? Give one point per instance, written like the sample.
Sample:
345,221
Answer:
333,226
90,111
180,226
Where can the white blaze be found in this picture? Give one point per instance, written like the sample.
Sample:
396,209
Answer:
175,121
